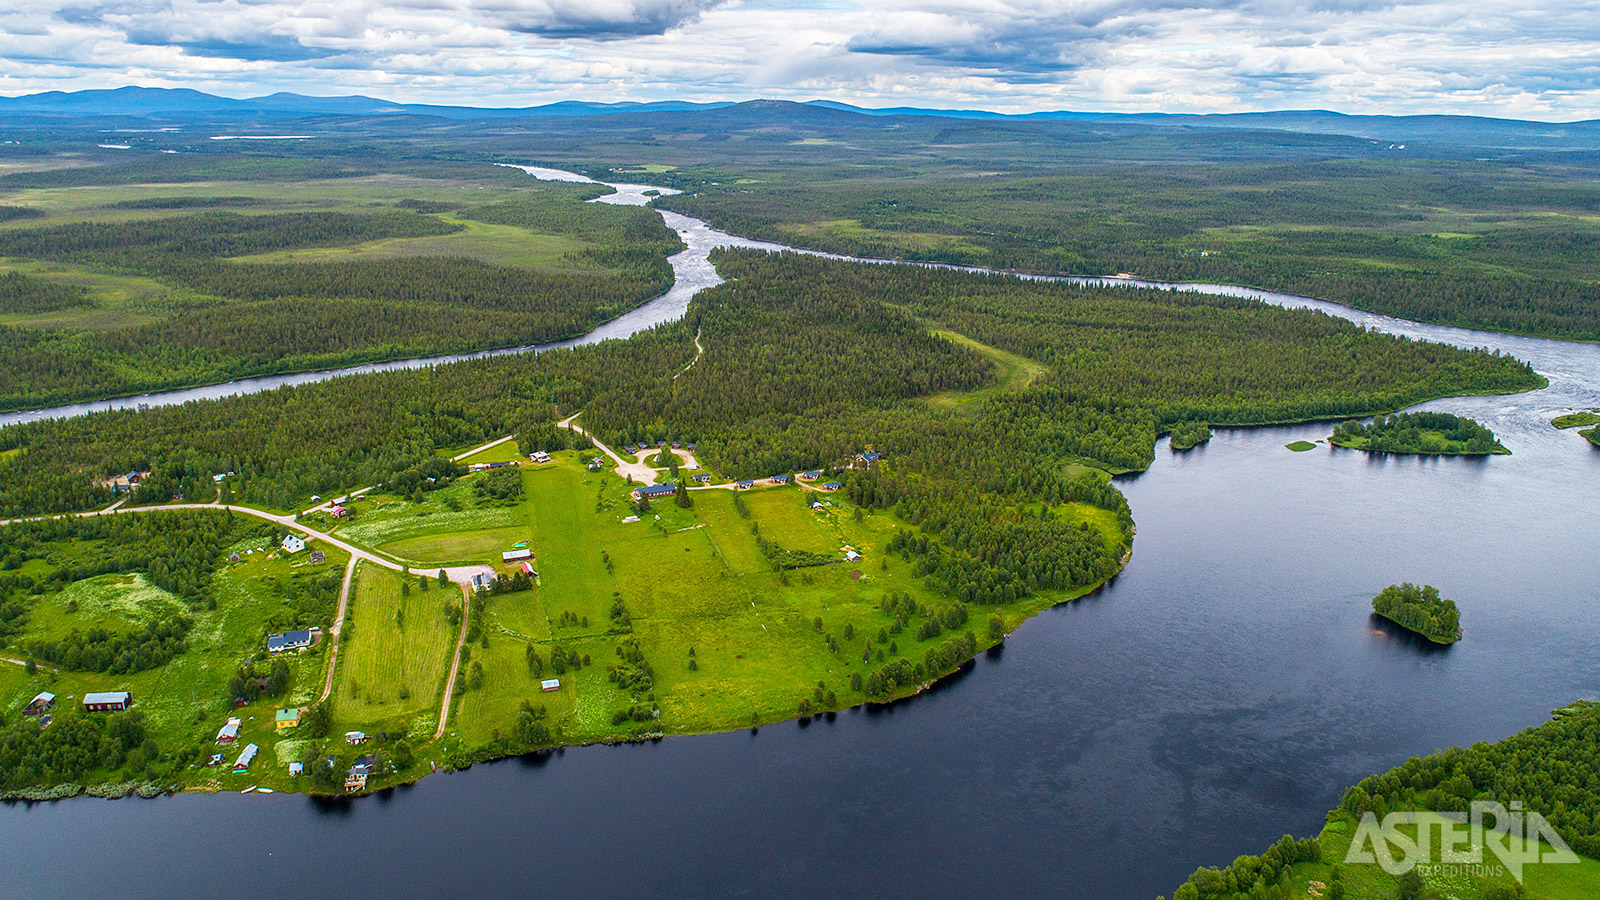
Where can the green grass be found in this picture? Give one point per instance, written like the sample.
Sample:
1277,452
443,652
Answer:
505,245
1301,446
1544,881
117,603
1577,419
1012,372
506,452
391,674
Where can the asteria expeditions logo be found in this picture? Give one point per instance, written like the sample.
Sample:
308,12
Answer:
1488,840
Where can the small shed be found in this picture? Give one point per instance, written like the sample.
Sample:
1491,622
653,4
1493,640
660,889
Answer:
527,569
107,701
318,556
550,684
296,769
355,737
851,556
40,704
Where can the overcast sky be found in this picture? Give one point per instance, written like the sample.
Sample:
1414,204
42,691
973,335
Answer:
1533,59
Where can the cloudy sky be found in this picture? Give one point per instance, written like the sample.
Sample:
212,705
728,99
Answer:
1535,59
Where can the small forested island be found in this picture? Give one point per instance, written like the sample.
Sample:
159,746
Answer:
1420,609
1421,433
1577,419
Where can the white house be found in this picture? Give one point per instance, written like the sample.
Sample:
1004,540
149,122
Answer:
293,543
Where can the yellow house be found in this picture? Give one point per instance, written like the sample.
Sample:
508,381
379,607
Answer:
288,718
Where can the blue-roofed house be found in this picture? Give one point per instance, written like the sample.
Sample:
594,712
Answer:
292,640
780,479
743,485
812,475
832,486
652,491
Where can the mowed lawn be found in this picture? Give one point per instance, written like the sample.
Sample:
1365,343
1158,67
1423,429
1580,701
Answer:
391,671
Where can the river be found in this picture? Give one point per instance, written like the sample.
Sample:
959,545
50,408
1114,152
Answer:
1223,690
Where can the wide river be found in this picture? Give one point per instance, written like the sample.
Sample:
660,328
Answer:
1221,691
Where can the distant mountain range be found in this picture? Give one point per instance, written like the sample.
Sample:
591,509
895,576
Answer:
190,105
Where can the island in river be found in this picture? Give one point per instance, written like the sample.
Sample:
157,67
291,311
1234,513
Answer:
1420,609
1419,433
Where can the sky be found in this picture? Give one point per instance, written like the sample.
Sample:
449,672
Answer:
1535,59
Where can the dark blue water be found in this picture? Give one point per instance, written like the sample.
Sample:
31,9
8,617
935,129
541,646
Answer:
1225,689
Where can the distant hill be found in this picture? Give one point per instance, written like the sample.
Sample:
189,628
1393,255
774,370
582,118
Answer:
174,104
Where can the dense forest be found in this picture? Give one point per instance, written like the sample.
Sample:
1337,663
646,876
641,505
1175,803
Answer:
1419,432
240,318
1420,609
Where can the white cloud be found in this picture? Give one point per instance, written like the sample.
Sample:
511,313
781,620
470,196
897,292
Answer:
1540,58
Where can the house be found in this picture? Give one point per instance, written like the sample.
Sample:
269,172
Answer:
812,475
539,456
482,581
693,447
229,733
292,640
233,557
356,778
215,760
743,485
288,718
246,758
107,701
868,458
514,555
550,684
339,512
703,478
832,486
595,466
675,445
355,737
40,704
293,543
527,569
296,769
652,491
852,556
318,556
780,479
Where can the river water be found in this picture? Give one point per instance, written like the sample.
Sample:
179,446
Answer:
1221,691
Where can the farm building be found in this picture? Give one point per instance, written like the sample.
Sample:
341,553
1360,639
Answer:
812,475
743,485
550,684
338,512
246,758
851,556
292,640
293,543
40,704
288,718
780,479
539,456
229,733
832,486
107,701
527,569
652,491
514,555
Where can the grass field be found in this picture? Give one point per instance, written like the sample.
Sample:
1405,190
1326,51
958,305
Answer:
1301,446
1577,419
392,667
505,245
1543,881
